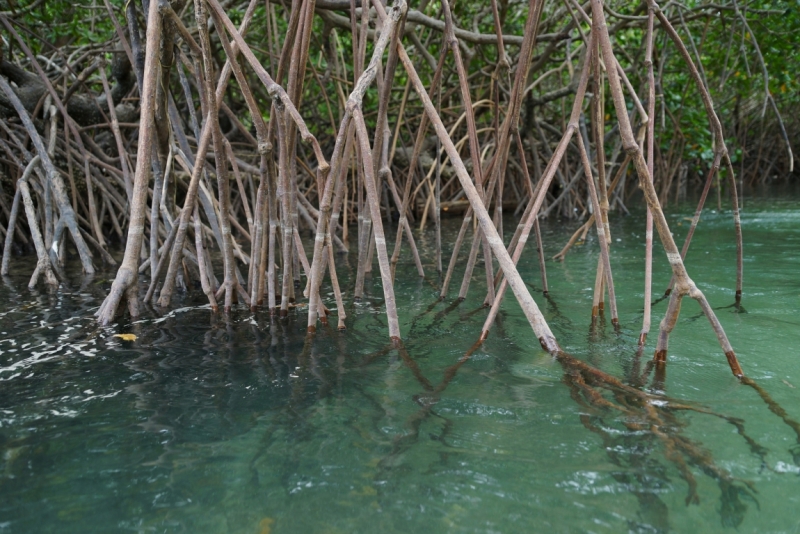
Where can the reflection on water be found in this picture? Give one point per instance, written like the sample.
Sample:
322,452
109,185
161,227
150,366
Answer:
241,424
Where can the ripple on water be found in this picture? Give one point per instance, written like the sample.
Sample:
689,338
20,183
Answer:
241,424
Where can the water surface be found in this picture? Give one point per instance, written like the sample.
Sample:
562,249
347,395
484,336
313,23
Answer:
241,425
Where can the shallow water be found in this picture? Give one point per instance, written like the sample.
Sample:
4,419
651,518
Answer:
208,424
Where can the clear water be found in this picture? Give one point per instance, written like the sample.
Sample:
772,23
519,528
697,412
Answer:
208,424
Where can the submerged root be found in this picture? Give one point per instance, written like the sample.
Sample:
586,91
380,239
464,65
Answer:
650,423
646,416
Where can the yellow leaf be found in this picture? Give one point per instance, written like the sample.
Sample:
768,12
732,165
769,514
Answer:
366,491
265,525
126,337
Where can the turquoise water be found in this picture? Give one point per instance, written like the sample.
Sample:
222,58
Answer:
240,424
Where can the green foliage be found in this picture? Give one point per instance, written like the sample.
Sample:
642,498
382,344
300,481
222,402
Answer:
77,23
726,52
732,68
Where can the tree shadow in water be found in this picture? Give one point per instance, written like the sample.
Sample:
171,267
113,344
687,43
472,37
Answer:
632,423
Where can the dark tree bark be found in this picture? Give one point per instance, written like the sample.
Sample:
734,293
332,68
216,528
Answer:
86,109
